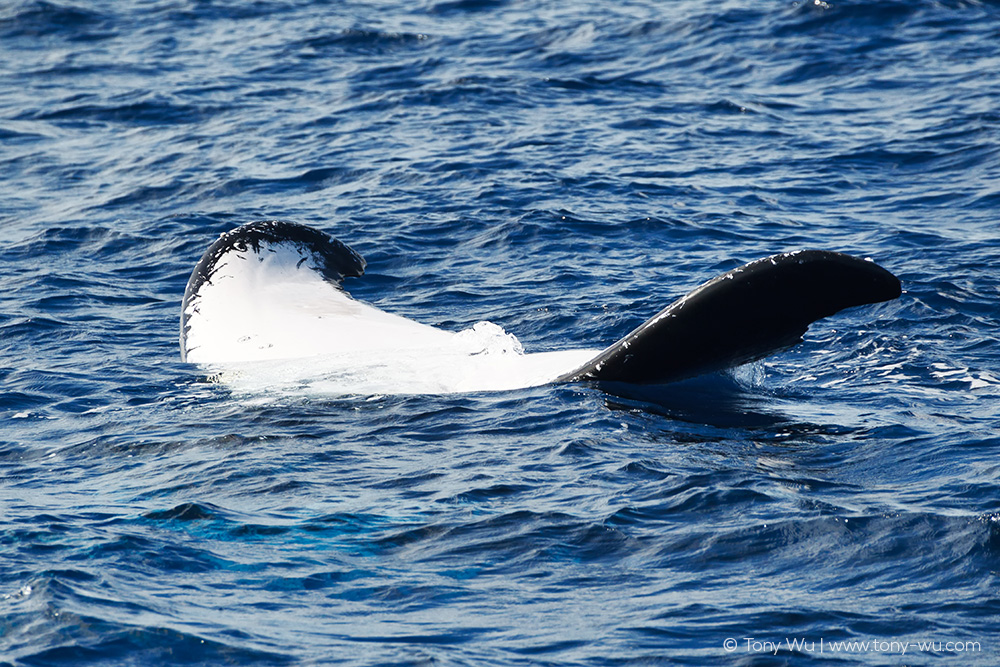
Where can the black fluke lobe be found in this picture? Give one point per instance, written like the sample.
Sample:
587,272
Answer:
740,316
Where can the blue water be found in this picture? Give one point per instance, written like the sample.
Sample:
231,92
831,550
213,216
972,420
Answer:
564,169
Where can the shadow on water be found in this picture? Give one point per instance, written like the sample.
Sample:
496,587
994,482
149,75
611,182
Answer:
722,400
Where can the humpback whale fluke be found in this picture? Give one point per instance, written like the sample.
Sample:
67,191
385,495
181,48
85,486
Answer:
272,290
330,259
741,316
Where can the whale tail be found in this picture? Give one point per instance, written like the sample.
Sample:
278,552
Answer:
741,316
224,302
272,290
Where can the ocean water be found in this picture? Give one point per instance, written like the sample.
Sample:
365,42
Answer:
563,169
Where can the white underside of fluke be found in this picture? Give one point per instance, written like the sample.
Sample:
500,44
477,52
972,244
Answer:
269,320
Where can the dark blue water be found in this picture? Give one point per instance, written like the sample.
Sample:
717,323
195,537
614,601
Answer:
564,169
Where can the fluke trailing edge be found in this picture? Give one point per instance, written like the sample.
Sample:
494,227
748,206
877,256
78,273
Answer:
272,290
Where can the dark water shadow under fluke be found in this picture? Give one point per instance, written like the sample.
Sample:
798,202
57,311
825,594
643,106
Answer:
717,399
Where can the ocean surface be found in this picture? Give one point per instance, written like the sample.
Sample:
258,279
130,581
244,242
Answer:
563,169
